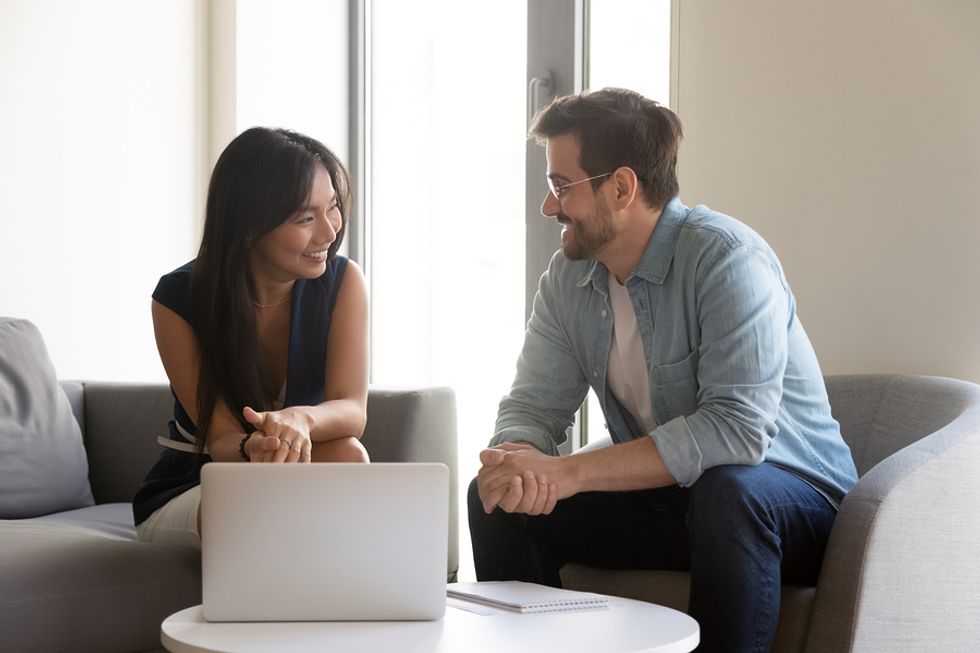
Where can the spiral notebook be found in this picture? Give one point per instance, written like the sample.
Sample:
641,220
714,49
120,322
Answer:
526,598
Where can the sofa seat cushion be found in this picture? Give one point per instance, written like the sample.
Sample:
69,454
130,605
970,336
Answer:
43,468
71,577
671,589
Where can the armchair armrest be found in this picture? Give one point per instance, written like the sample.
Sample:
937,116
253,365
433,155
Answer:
601,443
900,570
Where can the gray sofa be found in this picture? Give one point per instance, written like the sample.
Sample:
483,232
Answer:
902,567
77,580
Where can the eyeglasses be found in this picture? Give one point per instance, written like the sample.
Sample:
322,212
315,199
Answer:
558,189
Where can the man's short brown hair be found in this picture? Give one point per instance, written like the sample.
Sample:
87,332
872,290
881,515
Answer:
616,127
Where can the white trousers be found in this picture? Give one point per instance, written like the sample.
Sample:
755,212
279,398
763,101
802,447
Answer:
175,522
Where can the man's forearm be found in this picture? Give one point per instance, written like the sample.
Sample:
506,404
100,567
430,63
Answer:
537,438
635,465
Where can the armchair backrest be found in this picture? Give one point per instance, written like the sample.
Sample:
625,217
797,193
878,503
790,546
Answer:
880,414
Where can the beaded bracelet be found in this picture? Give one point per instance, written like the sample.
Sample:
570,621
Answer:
241,448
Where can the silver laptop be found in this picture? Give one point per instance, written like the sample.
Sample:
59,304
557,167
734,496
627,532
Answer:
324,541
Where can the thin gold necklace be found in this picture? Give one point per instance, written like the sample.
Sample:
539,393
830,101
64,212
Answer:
273,303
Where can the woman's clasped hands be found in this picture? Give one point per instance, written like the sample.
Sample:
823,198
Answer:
281,436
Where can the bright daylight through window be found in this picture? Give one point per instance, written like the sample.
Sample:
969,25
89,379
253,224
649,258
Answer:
447,176
447,134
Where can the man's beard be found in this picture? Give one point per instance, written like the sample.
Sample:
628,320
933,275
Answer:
588,238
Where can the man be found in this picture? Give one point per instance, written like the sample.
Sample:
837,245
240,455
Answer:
726,460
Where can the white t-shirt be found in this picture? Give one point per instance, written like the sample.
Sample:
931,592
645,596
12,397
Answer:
627,370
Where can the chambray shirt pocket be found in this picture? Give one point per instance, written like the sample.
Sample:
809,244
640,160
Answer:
675,388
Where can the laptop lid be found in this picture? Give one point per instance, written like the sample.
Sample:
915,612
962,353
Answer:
324,541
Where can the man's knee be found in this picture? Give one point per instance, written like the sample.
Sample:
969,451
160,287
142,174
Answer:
724,482
478,519
481,521
724,499
473,497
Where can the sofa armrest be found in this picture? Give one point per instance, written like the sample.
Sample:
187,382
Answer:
417,425
900,568
411,425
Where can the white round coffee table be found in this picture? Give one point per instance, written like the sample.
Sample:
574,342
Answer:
626,625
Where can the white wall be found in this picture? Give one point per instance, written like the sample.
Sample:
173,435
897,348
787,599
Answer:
102,171
112,113
848,133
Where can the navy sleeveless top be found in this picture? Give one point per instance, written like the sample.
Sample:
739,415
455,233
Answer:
313,302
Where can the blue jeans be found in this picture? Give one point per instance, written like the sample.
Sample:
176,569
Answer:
740,530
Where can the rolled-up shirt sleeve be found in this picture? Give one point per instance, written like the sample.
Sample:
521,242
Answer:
743,311
549,385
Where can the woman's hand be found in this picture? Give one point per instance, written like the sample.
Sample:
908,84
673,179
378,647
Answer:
280,436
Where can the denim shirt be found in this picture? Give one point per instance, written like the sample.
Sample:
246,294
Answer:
733,376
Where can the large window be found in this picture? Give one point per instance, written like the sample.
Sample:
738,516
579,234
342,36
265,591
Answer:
446,165
285,78
454,237
632,54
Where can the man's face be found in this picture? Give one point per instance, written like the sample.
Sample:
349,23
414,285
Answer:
587,225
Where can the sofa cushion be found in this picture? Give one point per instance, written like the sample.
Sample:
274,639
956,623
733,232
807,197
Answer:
42,460
671,589
80,581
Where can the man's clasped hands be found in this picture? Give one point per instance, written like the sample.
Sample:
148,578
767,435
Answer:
517,477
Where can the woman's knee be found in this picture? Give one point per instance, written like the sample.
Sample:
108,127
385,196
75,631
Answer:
341,450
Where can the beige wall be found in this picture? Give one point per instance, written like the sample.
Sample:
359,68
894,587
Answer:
848,133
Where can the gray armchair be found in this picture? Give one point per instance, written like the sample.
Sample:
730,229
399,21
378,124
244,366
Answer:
902,567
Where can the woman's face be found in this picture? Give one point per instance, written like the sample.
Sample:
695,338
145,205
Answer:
298,247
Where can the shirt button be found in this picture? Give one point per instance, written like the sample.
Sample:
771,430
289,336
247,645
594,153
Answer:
603,312
594,373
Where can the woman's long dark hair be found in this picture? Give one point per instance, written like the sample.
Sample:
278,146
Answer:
260,180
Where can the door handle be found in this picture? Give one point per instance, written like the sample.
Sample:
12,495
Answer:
538,90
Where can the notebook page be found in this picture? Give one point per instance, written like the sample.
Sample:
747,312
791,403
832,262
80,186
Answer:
519,596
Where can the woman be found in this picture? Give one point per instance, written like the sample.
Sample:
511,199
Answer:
264,335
